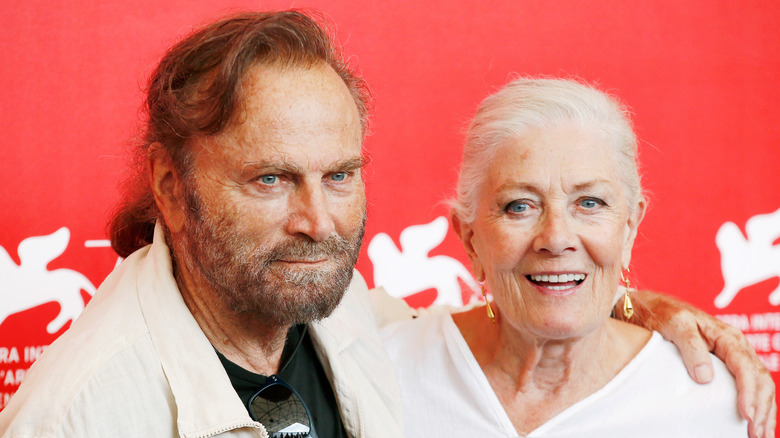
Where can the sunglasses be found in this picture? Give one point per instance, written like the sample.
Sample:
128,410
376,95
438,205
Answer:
281,410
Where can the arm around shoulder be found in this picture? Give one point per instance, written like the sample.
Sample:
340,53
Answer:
696,334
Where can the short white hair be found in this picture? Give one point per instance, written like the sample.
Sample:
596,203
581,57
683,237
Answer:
532,103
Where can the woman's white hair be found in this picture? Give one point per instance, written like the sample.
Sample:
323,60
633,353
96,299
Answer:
532,103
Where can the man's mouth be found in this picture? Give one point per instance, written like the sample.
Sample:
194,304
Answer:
557,282
303,261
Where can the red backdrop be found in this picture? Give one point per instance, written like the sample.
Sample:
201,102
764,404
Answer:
701,77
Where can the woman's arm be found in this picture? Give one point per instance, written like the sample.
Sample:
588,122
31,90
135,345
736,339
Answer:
696,334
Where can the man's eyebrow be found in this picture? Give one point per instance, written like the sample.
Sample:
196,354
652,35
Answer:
282,166
348,165
274,166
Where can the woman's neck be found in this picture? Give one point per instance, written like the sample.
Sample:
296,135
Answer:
537,378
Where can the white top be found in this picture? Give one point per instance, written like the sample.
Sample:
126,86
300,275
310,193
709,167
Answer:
446,394
136,364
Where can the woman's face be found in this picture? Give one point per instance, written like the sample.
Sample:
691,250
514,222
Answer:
553,231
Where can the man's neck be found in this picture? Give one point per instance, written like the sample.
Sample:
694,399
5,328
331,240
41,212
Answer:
244,340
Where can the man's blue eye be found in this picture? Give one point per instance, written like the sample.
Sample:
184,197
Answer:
268,179
517,207
340,176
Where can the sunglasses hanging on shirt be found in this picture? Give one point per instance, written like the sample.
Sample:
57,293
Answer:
281,410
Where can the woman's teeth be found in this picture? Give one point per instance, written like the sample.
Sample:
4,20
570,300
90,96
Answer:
560,278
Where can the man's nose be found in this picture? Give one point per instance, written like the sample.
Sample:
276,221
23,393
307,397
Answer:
310,214
555,235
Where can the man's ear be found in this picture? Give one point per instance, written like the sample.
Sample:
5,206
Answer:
632,225
167,187
465,233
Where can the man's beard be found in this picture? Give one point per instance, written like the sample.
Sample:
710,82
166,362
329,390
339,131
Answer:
241,270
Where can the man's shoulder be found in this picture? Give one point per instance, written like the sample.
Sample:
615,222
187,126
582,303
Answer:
74,392
432,321
111,323
422,336
104,356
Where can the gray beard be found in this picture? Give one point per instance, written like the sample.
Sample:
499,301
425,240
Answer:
241,270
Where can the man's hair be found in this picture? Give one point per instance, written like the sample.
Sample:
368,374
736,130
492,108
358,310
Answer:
196,91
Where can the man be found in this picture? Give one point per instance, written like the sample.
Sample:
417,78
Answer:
254,177
251,196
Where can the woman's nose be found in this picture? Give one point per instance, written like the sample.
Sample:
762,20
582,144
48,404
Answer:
555,235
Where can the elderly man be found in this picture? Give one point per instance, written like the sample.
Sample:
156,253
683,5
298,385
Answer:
237,311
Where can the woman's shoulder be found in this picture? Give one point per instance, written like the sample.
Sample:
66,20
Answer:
663,358
661,374
654,395
660,361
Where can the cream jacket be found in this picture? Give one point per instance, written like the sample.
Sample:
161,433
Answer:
136,364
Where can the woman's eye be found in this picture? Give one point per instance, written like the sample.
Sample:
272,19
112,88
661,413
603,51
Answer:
517,207
339,176
591,203
269,179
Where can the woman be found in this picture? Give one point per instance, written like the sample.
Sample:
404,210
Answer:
548,206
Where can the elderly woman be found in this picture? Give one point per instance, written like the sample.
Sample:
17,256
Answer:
548,206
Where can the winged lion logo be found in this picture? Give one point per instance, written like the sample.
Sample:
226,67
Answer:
749,259
410,270
30,284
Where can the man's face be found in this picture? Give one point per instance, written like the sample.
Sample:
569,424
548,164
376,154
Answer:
276,201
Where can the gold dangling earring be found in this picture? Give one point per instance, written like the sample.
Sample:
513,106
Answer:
628,307
490,313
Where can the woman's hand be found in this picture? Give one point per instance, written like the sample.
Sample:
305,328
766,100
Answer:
696,333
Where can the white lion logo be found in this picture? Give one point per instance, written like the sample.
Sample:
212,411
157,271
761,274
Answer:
30,284
409,271
745,262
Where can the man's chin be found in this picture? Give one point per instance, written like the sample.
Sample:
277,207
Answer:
294,298
292,311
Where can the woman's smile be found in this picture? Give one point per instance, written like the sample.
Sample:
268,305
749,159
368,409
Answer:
557,283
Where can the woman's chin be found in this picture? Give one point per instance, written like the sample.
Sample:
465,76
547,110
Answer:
562,327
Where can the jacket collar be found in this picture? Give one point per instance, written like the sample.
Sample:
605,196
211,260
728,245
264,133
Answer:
357,365
206,403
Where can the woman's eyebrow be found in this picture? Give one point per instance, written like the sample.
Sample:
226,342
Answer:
600,182
518,185
529,187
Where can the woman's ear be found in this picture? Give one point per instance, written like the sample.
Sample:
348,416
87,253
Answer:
465,233
632,225
167,187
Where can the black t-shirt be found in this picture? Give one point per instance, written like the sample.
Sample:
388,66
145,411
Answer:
302,370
